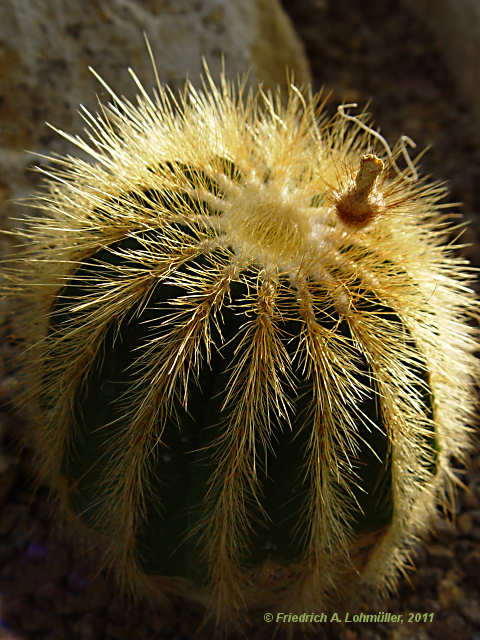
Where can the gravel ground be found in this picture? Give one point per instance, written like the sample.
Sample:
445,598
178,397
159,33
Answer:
49,590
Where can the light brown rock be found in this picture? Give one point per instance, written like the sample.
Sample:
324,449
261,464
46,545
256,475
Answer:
46,48
465,523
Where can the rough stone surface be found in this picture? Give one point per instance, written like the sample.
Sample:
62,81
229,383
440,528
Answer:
46,48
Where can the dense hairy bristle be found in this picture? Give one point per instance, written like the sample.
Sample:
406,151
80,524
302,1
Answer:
307,217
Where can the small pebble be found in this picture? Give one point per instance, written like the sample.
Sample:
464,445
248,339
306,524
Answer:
431,605
464,546
471,565
89,627
470,608
471,500
475,533
451,626
465,524
449,592
475,515
36,551
76,582
440,556
8,386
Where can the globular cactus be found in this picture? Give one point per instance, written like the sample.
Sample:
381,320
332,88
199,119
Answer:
250,361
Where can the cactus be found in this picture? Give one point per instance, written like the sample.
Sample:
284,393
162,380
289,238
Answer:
249,358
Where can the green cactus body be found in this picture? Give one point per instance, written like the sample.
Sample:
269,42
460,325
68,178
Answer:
242,375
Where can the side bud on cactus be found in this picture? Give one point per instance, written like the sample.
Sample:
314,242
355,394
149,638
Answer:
249,362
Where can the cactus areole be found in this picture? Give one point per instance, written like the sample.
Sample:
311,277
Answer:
250,362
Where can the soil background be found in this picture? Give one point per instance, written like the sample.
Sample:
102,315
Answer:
371,50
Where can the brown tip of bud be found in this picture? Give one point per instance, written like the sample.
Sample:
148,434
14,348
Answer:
360,204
